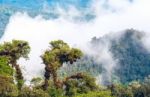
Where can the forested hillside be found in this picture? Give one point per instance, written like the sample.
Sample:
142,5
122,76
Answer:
74,48
78,83
133,60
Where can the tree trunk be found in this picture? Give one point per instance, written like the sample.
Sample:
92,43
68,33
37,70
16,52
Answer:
18,75
47,76
55,79
45,86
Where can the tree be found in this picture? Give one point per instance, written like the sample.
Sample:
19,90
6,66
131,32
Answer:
5,69
141,89
118,90
14,51
54,58
7,87
105,93
27,92
79,83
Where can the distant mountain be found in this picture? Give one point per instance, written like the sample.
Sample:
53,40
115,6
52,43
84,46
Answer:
133,59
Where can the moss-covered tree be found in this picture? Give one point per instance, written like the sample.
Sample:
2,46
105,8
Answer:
14,51
5,69
79,83
7,87
53,58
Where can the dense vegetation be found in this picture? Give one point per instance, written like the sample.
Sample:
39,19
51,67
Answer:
78,83
132,58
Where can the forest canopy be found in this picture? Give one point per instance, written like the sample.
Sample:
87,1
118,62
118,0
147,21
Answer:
79,84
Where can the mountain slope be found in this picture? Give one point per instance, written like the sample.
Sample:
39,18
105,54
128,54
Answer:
133,60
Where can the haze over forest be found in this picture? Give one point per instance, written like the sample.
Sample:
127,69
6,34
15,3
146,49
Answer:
57,42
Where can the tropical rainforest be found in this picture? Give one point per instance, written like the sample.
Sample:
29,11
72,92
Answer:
67,48
80,81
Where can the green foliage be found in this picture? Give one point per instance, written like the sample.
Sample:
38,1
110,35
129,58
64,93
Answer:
121,91
127,49
71,87
27,92
5,69
36,81
60,52
133,58
76,85
145,87
13,51
54,58
20,83
74,54
54,92
79,83
58,44
96,94
141,89
7,87
86,64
